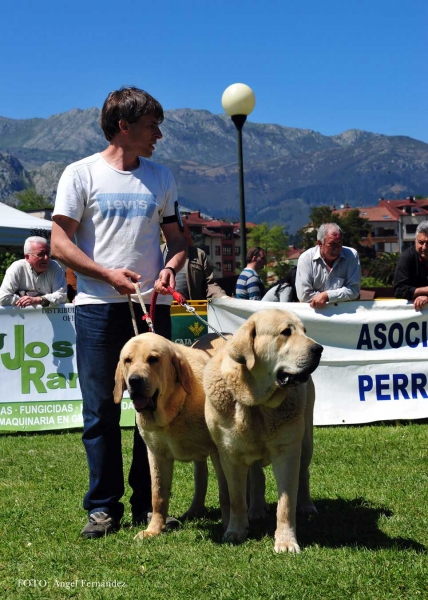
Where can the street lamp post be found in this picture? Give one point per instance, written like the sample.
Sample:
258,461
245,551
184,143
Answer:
238,101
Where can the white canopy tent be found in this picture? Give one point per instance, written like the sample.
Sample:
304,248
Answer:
16,226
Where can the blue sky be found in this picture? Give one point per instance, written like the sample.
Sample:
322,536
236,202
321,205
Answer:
325,65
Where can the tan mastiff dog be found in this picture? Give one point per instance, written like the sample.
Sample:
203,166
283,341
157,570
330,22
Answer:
259,407
164,381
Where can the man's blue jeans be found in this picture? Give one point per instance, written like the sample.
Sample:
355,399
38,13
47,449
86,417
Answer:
101,332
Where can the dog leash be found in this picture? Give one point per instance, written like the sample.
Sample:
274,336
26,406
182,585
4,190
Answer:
149,318
191,309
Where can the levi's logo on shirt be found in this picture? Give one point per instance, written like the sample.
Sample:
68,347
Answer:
127,206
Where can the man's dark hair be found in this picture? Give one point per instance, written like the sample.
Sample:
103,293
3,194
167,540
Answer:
288,280
254,251
129,104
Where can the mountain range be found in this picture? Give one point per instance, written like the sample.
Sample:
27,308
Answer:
287,170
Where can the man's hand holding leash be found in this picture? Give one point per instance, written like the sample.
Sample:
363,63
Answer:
166,279
123,280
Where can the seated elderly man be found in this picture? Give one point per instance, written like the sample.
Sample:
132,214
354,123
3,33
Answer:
411,273
329,272
35,279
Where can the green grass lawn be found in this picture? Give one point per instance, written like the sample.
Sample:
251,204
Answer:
369,539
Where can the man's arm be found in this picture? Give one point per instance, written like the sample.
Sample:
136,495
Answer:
351,288
9,287
420,291
420,297
64,249
254,288
404,282
175,258
213,290
59,286
304,284
405,277
14,284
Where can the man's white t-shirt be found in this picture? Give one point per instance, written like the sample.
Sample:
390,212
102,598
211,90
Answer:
119,215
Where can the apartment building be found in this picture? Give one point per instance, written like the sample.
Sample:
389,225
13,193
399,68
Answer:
393,223
221,242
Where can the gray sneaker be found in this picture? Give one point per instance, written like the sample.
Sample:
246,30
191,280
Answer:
144,518
99,525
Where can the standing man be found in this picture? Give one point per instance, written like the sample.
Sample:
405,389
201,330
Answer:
328,272
108,213
411,273
35,280
196,280
249,285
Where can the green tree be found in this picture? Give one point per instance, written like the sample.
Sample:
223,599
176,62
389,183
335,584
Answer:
317,216
29,199
354,226
371,282
383,268
6,259
274,241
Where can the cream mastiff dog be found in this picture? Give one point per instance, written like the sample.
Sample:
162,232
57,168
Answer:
259,407
164,381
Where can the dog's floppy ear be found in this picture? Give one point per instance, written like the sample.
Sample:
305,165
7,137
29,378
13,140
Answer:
119,384
183,371
241,347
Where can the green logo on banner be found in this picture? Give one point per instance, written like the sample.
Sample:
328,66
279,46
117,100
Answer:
33,371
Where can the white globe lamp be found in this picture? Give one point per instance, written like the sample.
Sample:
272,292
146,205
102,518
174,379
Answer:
238,101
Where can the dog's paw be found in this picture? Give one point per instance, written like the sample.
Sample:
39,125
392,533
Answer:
307,509
235,537
292,547
285,541
145,535
257,513
194,513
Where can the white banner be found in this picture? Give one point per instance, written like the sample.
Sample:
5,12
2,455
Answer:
39,383
374,364
373,367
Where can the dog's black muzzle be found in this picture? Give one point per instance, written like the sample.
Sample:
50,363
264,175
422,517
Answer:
285,379
136,385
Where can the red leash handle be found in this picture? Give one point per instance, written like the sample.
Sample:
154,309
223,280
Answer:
177,296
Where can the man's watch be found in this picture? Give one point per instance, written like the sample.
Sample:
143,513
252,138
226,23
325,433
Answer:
44,302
